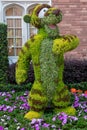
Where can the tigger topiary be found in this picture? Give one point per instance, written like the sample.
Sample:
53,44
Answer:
46,49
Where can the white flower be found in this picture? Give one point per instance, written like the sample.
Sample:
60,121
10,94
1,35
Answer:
18,128
6,128
2,120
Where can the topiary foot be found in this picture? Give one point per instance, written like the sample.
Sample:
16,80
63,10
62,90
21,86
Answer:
32,114
67,110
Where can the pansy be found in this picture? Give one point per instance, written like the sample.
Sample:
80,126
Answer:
1,128
85,117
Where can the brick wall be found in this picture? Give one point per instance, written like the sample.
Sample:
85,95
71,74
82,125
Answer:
74,22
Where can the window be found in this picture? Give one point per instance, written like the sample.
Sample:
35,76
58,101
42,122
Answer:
14,22
18,31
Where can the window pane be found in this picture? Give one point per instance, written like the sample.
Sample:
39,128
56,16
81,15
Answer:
11,52
18,32
17,22
14,11
17,11
10,33
9,12
10,22
10,42
18,42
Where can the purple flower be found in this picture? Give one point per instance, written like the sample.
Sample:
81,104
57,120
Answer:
64,121
82,106
85,95
13,91
76,104
3,94
10,110
46,125
5,109
85,110
22,129
33,121
53,126
8,118
85,117
37,127
54,118
73,118
25,106
0,93
62,116
17,98
15,120
1,128
9,95
6,99
1,107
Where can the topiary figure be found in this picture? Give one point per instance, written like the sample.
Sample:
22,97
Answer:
46,49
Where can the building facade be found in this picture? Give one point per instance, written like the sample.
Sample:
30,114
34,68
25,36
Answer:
74,22
11,13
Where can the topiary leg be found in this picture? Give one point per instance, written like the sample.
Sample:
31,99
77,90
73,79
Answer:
37,101
61,100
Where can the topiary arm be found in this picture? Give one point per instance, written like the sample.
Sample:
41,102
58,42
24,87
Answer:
64,44
22,65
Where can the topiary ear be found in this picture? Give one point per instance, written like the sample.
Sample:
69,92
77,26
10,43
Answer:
27,18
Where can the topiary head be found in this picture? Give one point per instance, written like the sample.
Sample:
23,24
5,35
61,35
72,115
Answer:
47,17
34,18
50,20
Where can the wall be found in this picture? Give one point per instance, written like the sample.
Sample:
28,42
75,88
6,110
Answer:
74,22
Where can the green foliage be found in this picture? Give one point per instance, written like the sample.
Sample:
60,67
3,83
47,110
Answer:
3,54
27,18
30,48
37,98
64,44
82,86
82,123
16,87
49,68
22,65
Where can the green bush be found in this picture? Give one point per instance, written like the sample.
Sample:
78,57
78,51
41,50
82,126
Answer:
17,88
3,54
82,86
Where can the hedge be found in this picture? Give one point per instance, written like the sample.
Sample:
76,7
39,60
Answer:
75,71
3,54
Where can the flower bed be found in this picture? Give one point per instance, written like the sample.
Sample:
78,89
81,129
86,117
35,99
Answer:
13,106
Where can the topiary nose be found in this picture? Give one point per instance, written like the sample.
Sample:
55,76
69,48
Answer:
56,12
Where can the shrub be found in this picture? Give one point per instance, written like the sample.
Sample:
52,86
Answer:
75,71
3,54
17,88
11,73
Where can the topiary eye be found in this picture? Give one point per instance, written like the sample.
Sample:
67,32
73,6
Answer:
42,12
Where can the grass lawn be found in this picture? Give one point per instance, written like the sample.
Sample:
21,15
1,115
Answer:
13,106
